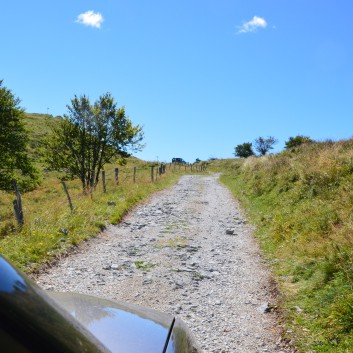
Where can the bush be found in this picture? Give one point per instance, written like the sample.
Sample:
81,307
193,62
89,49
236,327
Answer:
297,141
244,150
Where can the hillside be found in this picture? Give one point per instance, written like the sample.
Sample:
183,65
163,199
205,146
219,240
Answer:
39,127
301,203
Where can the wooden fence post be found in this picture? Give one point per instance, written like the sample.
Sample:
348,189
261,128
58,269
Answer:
152,174
18,214
116,176
103,181
17,205
92,184
68,195
134,175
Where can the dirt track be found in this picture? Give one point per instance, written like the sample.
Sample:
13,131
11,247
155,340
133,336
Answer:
188,252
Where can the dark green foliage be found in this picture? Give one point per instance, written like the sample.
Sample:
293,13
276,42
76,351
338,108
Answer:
90,136
14,161
297,141
244,150
263,145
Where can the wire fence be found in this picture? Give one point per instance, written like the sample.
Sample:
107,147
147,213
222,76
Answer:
108,180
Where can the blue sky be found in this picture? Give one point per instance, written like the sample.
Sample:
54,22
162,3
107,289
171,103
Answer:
201,76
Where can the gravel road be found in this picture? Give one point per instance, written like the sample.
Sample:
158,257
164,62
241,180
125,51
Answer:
189,252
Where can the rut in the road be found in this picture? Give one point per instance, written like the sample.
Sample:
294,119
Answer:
188,252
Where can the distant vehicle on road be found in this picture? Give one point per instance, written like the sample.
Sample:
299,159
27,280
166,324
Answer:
178,161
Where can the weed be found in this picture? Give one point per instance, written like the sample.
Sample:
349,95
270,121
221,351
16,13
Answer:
143,265
177,242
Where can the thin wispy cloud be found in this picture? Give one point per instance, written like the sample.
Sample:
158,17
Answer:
252,25
90,18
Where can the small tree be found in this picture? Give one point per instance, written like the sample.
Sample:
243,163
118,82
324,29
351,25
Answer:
263,145
244,150
90,136
297,141
14,161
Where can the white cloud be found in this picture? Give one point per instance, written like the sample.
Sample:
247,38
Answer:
252,25
90,18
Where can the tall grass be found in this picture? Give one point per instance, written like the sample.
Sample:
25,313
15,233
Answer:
302,203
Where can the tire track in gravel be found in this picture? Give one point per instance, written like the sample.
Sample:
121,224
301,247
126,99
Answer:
188,251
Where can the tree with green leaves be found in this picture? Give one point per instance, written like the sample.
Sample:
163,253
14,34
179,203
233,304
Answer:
297,141
91,135
14,160
244,150
263,145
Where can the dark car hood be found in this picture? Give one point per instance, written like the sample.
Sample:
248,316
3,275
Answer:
40,321
119,326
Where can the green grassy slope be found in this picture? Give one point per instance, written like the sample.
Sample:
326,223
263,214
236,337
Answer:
302,204
39,127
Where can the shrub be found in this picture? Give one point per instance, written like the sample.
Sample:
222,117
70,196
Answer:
297,141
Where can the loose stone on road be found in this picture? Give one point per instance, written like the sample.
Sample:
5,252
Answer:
189,252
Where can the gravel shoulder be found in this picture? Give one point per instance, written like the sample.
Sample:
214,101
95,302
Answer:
189,252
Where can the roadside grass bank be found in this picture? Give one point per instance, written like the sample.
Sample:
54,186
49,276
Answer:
301,202
51,229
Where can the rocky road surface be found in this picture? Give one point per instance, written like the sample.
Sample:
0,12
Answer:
189,252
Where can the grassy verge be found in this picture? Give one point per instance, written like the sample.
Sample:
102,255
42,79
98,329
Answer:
302,204
51,229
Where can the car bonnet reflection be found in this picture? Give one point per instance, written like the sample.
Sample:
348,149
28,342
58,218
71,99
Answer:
119,329
146,335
